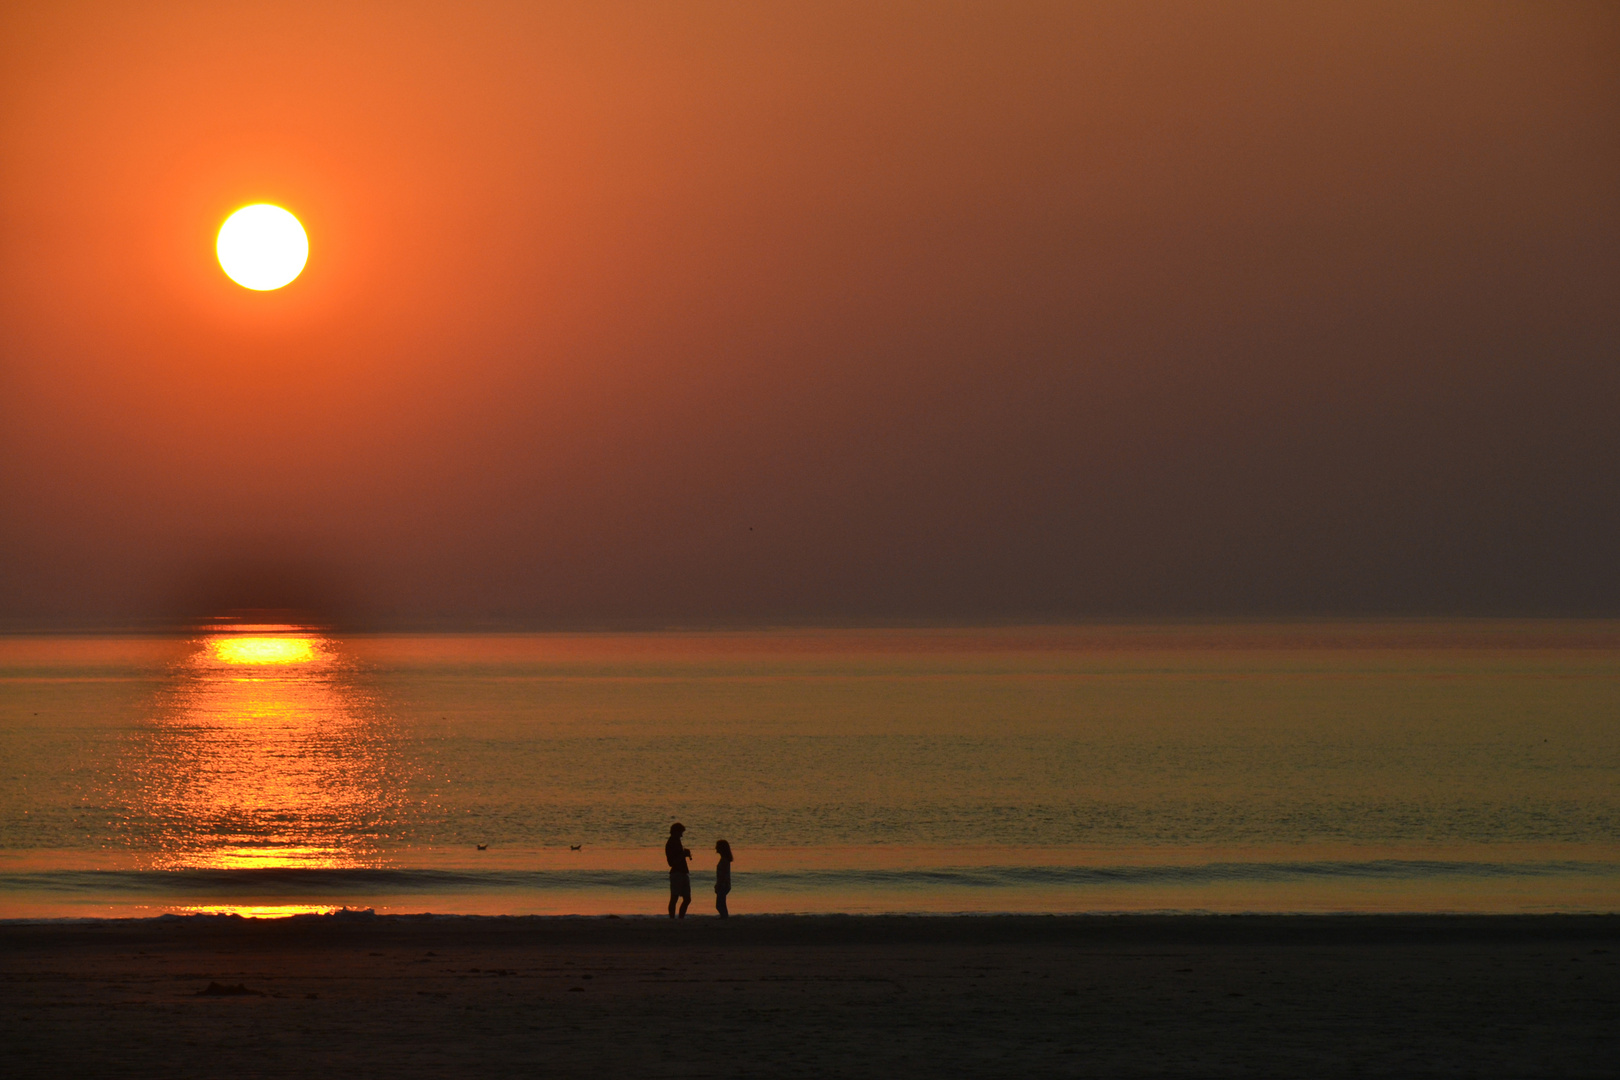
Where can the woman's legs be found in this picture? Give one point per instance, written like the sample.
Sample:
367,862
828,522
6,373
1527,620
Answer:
720,904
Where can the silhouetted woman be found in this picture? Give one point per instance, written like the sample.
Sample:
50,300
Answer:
722,878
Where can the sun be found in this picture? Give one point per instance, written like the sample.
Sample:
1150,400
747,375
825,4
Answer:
262,247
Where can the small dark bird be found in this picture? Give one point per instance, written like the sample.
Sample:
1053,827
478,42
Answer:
483,847
575,847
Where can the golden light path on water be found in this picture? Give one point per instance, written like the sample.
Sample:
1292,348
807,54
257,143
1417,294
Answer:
262,650
267,754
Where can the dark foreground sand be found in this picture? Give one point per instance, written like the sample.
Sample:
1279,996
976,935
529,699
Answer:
814,996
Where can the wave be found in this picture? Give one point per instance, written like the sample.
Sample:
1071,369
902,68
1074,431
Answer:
302,881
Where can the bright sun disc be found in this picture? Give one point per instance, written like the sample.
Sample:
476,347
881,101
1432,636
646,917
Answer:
262,247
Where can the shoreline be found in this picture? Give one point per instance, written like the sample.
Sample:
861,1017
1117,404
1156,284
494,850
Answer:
822,883
368,919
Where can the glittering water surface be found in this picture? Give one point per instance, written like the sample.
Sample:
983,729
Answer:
1338,766
263,750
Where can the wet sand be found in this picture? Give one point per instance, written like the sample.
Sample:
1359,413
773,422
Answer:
814,996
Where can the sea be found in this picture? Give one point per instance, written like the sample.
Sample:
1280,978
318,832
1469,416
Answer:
275,768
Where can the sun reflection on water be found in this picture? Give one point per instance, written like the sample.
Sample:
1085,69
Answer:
258,911
266,752
262,650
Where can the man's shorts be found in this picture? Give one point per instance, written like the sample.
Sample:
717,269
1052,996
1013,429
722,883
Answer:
680,885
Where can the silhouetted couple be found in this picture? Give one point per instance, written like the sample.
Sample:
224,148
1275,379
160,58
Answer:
680,876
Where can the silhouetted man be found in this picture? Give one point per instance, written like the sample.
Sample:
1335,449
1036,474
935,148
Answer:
680,878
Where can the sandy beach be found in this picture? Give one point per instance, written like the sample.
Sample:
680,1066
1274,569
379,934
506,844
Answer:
813,996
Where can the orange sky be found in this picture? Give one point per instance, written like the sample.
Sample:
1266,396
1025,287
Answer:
717,311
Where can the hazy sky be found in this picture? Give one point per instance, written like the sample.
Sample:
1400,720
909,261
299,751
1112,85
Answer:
680,312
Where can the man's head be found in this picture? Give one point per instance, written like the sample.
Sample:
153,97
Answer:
676,829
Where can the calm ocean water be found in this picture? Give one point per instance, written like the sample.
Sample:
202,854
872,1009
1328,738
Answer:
1245,767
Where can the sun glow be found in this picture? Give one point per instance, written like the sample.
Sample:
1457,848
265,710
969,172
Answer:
262,247
262,650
